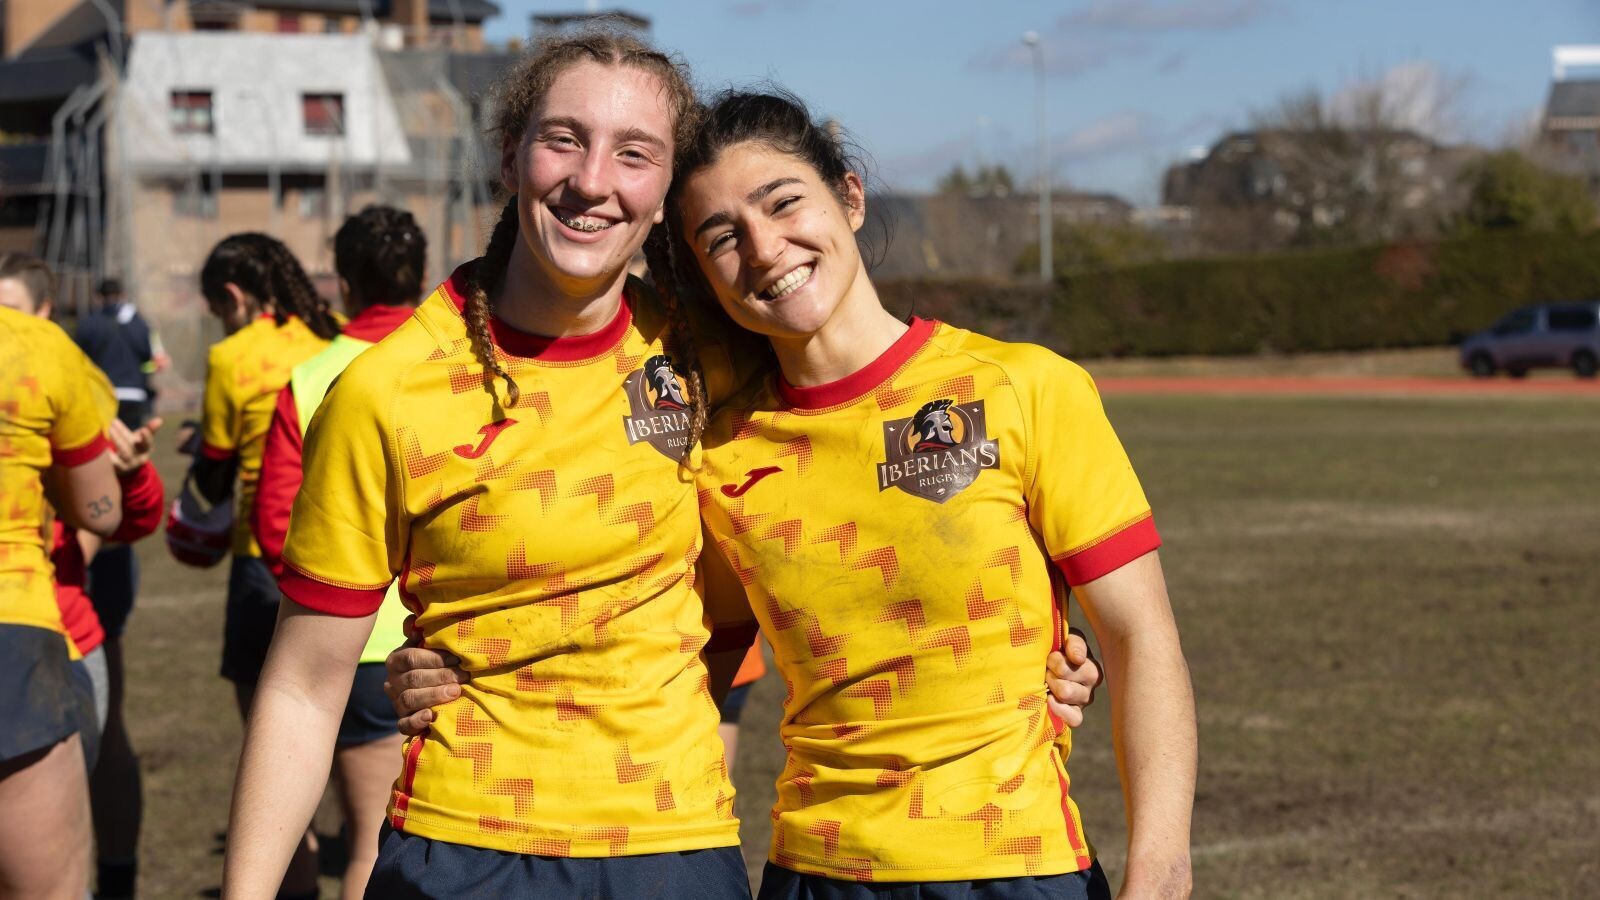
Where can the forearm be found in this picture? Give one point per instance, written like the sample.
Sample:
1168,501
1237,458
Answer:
1153,730
288,749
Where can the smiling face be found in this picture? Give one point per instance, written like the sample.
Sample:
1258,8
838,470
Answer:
591,172
776,244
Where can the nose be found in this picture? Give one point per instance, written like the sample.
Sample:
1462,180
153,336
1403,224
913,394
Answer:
764,244
592,179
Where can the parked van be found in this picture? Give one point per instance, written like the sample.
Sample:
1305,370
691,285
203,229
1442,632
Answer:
1552,335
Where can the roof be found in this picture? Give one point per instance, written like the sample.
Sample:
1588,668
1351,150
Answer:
438,10
571,19
1578,99
48,74
256,109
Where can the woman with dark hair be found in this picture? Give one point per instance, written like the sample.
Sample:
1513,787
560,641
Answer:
955,488
380,255
273,319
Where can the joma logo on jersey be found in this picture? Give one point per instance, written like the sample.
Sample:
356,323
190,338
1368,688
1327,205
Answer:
659,407
938,452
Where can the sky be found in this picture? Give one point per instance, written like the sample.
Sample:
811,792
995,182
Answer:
1131,86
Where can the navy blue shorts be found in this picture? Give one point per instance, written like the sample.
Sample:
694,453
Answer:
113,583
251,616
368,714
733,704
413,868
38,704
784,884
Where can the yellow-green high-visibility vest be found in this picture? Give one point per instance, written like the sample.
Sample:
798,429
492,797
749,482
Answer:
310,381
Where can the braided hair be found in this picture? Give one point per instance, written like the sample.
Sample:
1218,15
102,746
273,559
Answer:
264,268
517,99
381,253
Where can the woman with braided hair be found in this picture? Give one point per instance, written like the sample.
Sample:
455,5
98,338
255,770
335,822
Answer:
506,460
273,319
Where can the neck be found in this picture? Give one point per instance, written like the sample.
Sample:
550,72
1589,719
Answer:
858,333
533,301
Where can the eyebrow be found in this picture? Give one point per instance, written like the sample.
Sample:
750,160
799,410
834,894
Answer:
633,134
754,197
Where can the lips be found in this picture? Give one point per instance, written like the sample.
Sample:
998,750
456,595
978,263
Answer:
581,222
789,283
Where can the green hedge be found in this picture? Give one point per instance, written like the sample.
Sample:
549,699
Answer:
1403,295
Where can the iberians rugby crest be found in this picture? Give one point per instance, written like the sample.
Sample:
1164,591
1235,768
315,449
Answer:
658,406
938,452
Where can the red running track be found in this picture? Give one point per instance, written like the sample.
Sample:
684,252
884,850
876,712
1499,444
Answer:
1356,386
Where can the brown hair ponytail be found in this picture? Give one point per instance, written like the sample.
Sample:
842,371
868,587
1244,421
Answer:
658,253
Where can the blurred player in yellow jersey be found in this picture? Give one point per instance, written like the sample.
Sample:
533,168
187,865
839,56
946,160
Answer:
274,319
55,407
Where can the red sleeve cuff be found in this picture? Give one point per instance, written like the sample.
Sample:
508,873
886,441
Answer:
80,455
1111,552
350,602
142,504
737,636
216,454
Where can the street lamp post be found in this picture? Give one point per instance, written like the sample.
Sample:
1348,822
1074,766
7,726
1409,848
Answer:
1046,248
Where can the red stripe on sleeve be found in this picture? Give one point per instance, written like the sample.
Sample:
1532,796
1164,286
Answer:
143,502
1111,552
279,481
352,603
77,456
216,454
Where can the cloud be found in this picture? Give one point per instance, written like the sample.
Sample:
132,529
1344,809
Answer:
1175,15
1064,56
1117,133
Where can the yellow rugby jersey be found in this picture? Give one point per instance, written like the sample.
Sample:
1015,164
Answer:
54,410
553,550
904,537
245,371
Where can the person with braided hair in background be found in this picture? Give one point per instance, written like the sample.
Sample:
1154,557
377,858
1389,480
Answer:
274,320
380,255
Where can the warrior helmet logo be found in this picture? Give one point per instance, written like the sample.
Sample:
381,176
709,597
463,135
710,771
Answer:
939,452
666,388
658,407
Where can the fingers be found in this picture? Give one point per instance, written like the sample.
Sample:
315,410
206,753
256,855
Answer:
1070,693
1076,648
415,701
407,659
153,425
416,725
1071,716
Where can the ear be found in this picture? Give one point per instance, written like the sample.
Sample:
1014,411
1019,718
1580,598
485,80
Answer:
509,174
344,290
855,201
661,214
45,309
241,299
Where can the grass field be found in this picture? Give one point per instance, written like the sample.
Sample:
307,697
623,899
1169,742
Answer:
1390,607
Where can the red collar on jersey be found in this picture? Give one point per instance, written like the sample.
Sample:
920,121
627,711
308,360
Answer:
376,321
860,382
538,346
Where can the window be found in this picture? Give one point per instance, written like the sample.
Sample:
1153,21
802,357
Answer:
323,113
330,25
288,23
195,197
1572,320
190,112
1522,321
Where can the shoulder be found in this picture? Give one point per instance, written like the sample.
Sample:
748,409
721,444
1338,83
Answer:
1037,374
